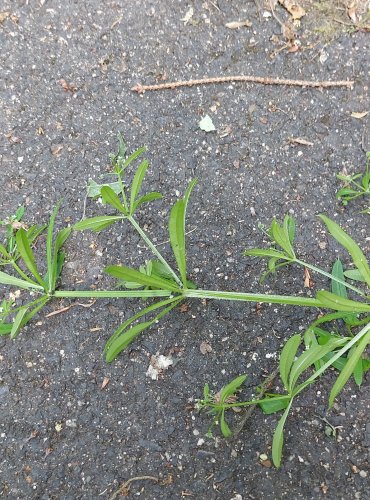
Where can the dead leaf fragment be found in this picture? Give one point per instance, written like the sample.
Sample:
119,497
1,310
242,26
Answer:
4,15
105,382
299,140
266,463
188,16
357,115
205,348
295,10
158,364
68,87
206,124
226,131
12,138
58,426
352,11
56,149
234,25
308,283
117,21
184,308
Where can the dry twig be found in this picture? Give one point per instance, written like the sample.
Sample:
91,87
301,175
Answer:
241,78
125,487
67,308
247,415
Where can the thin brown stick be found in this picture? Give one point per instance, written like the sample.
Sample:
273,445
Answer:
67,308
124,488
254,79
247,415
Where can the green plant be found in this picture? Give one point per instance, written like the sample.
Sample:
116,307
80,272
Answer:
158,279
323,348
355,185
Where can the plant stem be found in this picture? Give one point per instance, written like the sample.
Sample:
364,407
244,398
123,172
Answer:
111,294
154,249
328,275
252,297
125,204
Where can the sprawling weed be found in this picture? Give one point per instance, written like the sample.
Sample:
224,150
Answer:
168,286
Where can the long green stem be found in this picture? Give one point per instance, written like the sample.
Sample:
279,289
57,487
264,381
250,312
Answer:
328,275
110,294
125,204
154,249
252,297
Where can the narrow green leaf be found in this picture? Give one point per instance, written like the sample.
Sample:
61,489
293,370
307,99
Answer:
25,250
34,231
94,189
40,304
177,236
49,247
349,368
355,275
153,307
146,198
281,238
337,303
366,181
136,183
121,341
6,279
273,405
110,197
289,227
19,213
177,231
358,373
310,356
350,245
117,159
206,392
225,429
134,155
268,252
5,328
4,251
61,238
128,274
188,191
97,223
278,439
287,356
231,388
346,193
337,272
18,322
60,264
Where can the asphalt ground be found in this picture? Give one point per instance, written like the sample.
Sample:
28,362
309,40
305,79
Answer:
67,71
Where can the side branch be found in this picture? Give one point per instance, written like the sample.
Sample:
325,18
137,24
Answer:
140,89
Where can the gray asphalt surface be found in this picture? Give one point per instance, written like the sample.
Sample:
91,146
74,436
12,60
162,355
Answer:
67,70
